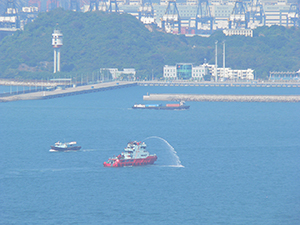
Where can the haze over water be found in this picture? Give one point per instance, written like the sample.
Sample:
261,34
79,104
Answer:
239,162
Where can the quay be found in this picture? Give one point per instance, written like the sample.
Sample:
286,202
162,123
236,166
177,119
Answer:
222,98
68,91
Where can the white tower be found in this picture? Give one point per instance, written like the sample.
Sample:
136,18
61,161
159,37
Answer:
57,42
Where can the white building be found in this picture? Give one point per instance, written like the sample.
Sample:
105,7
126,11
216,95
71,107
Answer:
184,71
243,32
229,74
198,72
170,72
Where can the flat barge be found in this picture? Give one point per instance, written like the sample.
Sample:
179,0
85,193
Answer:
180,106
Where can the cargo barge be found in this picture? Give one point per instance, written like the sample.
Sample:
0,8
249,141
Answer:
178,106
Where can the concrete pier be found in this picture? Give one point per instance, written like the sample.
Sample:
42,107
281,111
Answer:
222,98
68,91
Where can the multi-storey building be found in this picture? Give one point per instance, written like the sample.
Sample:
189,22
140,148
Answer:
230,74
186,71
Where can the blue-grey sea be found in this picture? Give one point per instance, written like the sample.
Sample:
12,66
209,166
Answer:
218,162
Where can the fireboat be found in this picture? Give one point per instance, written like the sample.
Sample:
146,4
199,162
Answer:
135,154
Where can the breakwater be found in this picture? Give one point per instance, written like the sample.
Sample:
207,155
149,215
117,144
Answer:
57,93
220,84
222,98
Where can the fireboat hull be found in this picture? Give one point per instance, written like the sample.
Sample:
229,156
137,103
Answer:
132,162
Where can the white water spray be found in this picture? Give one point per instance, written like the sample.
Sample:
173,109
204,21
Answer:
172,151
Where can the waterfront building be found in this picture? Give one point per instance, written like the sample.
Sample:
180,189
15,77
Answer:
170,72
284,76
184,71
126,74
230,74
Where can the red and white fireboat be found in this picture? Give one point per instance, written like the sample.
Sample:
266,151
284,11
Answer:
135,154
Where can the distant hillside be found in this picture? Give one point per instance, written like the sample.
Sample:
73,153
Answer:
95,40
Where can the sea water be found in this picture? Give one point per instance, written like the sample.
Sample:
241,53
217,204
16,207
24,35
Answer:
218,162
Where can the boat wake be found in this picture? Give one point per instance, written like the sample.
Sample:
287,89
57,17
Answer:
174,166
88,150
171,157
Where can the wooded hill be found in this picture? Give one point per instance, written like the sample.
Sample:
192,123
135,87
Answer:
96,40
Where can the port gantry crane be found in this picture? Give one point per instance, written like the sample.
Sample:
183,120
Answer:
93,5
294,14
111,8
52,4
74,5
257,14
146,12
36,3
203,15
11,8
103,6
171,20
239,18
10,21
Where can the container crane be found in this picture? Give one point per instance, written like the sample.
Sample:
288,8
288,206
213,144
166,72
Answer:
74,5
111,8
171,22
10,21
294,14
36,3
239,18
203,15
257,14
103,6
52,4
94,5
146,12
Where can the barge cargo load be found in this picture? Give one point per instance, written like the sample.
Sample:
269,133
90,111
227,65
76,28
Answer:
179,106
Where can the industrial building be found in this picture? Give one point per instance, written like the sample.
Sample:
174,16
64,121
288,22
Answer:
284,76
186,71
